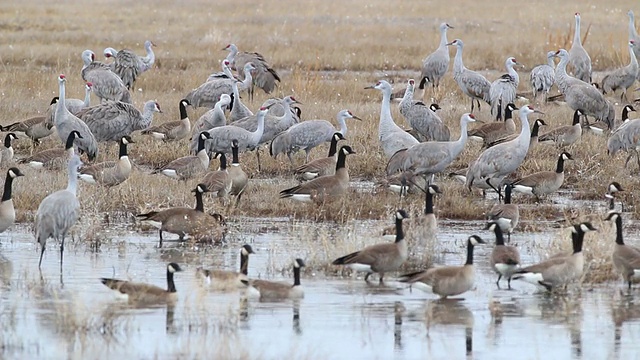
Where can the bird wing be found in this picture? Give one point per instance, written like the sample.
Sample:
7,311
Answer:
216,180
315,186
534,179
506,255
317,165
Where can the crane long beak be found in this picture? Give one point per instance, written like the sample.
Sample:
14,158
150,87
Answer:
538,112
449,44
373,87
355,117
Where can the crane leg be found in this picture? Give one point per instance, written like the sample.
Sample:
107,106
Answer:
472,105
41,254
160,245
498,281
258,157
62,251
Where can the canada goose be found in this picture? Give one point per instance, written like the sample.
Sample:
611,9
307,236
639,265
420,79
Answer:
52,158
110,173
322,166
239,178
172,130
324,187
613,188
533,139
379,258
493,131
504,259
565,135
626,259
223,279
219,181
447,280
543,182
146,293
559,269
7,211
183,221
270,290
6,155
422,229
505,215
187,167
403,183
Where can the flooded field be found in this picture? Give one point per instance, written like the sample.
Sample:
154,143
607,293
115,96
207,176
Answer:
72,315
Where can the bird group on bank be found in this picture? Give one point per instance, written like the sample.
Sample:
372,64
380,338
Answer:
414,158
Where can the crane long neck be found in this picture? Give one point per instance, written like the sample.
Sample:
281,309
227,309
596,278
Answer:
514,74
343,125
525,133
248,78
443,38
551,63
244,263
147,114
260,129
458,65
385,109
171,286
576,35
62,106
87,96
463,134
232,54
499,235
633,33
633,60
199,203
6,195
72,185
619,239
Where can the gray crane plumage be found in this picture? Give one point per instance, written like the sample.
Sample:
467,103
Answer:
423,119
470,82
580,95
622,78
625,138
498,161
211,119
59,211
66,122
503,90
238,109
543,77
435,66
307,135
149,59
266,78
112,120
432,157
223,136
207,94
73,105
107,85
391,136
578,56
273,124
127,65
633,35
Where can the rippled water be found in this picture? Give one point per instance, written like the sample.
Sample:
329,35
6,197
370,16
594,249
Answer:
74,316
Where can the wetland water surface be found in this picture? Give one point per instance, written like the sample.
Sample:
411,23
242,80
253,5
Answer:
339,318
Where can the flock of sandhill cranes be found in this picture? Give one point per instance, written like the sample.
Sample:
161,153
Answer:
414,157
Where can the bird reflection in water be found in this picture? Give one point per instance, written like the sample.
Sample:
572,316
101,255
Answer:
451,312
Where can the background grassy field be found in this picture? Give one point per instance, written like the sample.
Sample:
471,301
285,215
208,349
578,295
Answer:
326,52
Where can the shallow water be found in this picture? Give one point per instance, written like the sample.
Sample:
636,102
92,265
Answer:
74,316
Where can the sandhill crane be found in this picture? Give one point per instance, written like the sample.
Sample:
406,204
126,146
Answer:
503,90
66,122
110,173
307,135
496,162
622,78
172,130
565,135
7,211
626,138
107,85
52,159
391,136
73,105
470,82
238,109
430,157
543,76
112,120
149,59
59,211
266,77
436,64
423,119
579,95
211,119
578,56
221,137
127,65
207,94
6,154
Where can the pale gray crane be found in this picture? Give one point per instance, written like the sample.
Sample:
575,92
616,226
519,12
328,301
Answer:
58,212
498,161
66,122
622,78
111,120
432,157
543,77
470,82
626,138
211,119
580,95
392,137
223,136
633,34
127,65
207,94
238,109
503,90
307,135
436,64
578,56
423,119
149,59
266,78
107,85
73,105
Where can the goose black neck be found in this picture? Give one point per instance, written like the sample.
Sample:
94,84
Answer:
536,128
233,100
199,202
223,161
507,195
576,118
244,263
183,111
469,253
399,231
560,165
625,114
123,149
235,157
69,144
499,235
333,148
619,239
6,195
342,160
577,238
171,286
54,100
508,113
428,203
612,203
296,276
201,140
7,141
